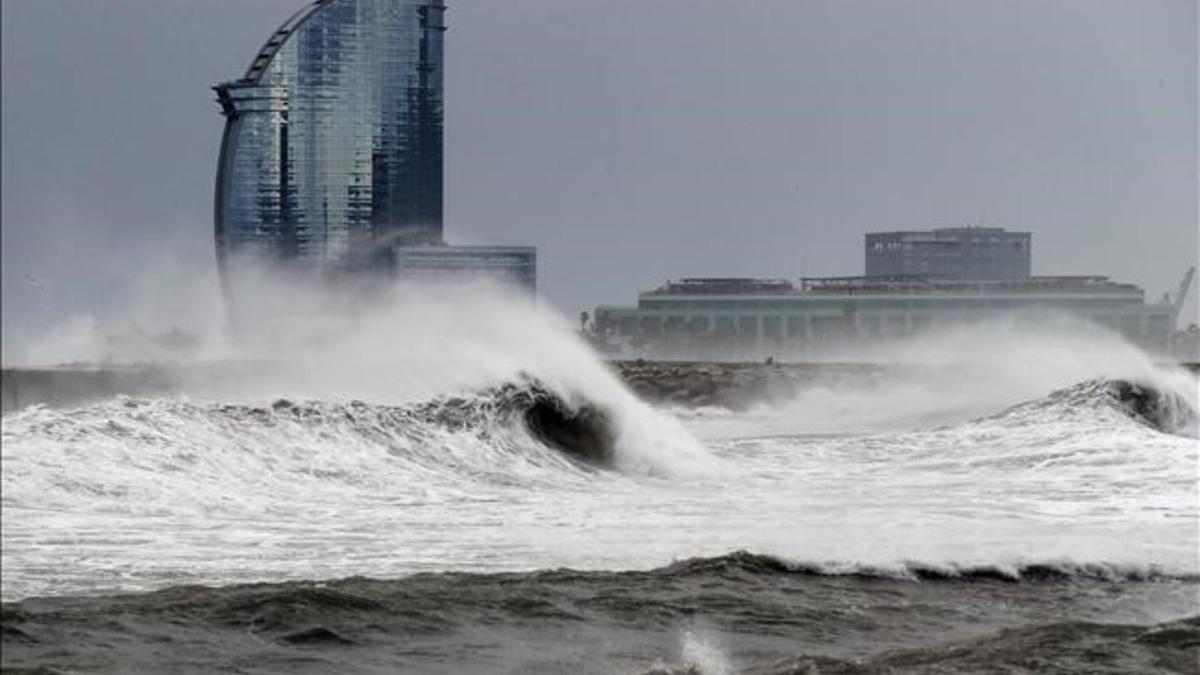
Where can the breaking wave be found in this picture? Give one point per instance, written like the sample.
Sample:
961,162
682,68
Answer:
520,431
581,430
1166,409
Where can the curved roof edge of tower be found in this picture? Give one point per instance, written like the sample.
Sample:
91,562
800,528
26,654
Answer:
261,60
280,36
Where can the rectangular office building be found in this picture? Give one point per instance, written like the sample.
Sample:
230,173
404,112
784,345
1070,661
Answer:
510,265
752,318
951,253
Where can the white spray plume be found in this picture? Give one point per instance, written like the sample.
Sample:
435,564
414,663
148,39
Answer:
956,374
293,336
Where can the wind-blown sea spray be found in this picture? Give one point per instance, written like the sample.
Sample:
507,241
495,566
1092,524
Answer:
449,428
419,342
956,374
296,337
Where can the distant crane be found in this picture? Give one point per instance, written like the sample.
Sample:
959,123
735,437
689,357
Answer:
1179,296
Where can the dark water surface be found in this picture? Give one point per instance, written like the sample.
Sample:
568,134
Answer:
737,613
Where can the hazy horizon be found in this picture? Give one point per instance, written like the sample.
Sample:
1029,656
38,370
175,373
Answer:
635,143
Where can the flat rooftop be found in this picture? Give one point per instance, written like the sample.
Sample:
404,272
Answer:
899,284
961,230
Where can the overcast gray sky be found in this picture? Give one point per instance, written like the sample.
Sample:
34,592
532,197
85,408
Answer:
636,140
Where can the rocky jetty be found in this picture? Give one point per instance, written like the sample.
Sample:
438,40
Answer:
736,385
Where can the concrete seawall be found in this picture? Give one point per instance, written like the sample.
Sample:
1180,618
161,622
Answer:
726,384
67,386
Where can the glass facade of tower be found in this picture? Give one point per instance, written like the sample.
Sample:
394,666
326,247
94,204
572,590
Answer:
332,153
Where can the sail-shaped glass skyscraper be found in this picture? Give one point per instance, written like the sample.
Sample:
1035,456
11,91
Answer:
332,152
